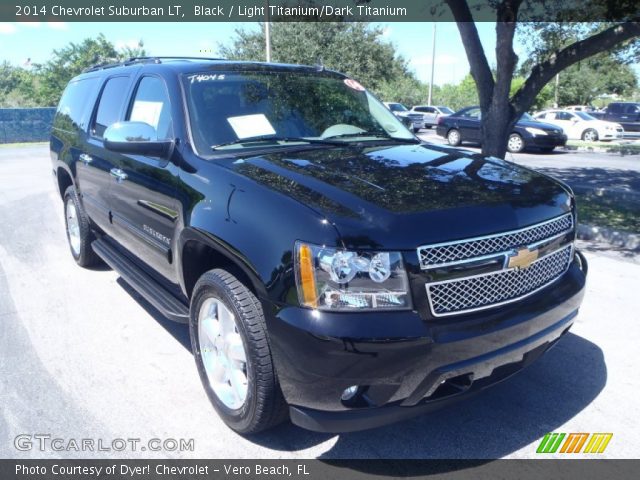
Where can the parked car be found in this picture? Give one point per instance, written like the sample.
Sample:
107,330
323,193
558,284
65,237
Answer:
627,114
580,108
331,267
430,114
409,118
464,126
581,125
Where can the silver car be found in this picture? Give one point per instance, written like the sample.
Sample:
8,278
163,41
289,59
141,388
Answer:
430,114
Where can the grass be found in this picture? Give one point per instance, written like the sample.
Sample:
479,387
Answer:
23,144
608,211
625,148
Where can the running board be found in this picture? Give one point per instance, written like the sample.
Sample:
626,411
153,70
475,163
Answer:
142,282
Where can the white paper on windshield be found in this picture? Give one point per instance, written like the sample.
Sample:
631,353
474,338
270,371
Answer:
247,126
147,112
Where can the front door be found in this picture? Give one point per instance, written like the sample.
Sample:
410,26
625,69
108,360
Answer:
143,203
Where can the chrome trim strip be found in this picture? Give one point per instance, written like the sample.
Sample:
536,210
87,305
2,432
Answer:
511,300
494,235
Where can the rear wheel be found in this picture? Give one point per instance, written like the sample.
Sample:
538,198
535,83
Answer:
79,234
454,138
590,135
232,353
515,144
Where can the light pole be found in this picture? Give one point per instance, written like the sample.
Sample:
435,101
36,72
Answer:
433,63
555,103
267,33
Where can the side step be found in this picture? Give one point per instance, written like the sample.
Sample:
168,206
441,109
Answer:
142,282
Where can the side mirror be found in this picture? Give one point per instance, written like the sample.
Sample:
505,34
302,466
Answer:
135,138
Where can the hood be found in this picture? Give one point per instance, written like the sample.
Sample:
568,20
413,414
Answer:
402,196
538,124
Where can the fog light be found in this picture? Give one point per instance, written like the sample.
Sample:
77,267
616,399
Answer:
349,393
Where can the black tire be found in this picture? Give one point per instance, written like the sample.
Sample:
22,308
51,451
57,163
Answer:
454,138
264,406
590,135
84,256
415,130
515,143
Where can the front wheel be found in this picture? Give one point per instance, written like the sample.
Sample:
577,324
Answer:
232,353
515,144
590,135
454,138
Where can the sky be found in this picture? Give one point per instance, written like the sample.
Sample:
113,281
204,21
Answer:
35,41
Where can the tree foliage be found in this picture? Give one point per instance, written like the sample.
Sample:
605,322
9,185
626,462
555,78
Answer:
42,84
356,49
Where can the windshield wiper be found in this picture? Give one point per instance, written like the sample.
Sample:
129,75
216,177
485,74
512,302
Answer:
373,134
273,138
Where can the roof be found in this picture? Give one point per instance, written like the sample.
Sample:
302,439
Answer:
200,64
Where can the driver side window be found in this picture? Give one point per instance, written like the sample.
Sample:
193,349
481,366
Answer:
151,105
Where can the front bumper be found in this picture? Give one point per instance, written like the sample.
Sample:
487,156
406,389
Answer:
407,365
545,141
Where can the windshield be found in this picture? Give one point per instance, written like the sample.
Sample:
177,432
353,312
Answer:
526,116
397,107
445,110
585,116
239,110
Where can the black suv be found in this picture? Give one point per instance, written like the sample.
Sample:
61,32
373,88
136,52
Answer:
332,268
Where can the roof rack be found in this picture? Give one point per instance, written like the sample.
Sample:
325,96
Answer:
138,60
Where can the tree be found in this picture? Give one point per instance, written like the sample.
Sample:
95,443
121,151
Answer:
357,49
71,60
500,110
404,89
463,94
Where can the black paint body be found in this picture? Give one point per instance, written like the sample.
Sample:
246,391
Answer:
626,114
185,214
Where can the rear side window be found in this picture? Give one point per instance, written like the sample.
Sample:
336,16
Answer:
112,100
615,108
75,105
151,105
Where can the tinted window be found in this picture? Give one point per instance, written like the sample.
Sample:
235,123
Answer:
472,113
614,108
445,110
111,102
630,108
563,116
151,105
75,105
397,107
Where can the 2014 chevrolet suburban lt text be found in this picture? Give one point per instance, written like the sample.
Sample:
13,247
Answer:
333,269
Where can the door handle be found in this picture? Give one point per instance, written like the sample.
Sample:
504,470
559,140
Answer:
86,159
119,175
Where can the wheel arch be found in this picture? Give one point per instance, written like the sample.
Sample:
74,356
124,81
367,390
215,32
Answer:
64,179
200,252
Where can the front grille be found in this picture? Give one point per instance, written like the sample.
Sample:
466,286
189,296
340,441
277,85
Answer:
432,256
490,290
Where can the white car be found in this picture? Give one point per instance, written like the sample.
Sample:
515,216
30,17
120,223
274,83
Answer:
581,125
431,113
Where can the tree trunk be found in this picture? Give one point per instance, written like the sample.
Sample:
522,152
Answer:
497,123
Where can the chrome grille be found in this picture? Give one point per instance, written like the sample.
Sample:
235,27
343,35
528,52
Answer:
432,256
490,290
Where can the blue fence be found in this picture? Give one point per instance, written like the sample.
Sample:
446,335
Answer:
25,124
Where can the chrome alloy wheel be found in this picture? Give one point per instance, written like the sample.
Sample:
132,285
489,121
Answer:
515,143
73,226
453,137
223,353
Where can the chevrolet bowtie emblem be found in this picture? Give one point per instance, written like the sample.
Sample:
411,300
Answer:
523,258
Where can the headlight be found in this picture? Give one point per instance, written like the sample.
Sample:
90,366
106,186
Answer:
333,279
535,131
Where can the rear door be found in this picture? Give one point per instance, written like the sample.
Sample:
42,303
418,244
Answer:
143,203
96,163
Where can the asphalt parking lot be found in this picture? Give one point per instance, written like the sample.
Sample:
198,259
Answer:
82,356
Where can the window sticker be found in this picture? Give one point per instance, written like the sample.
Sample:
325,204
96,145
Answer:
147,112
351,83
247,126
